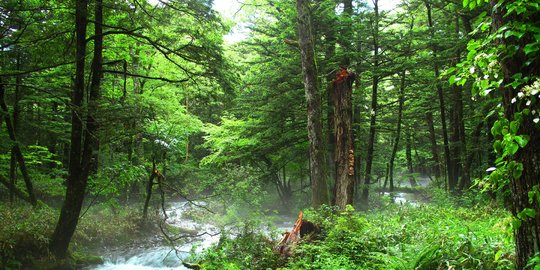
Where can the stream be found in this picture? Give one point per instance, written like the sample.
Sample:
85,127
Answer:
156,255
160,256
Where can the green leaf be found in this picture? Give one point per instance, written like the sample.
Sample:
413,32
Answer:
529,212
497,146
452,79
521,140
531,48
514,126
465,3
512,148
498,255
496,129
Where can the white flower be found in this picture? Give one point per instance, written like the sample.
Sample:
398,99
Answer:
490,169
534,92
536,120
514,100
520,94
471,70
528,103
534,112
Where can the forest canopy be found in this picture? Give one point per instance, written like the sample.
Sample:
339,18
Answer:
112,111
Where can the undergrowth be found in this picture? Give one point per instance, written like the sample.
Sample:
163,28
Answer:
25,232
450,233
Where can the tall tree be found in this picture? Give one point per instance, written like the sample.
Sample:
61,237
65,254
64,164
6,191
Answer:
373,110
401,100
344,151
438,85
523,63
319,184
82,140
512,65
16,149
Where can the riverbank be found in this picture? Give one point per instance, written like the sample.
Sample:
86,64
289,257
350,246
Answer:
25,233
466,232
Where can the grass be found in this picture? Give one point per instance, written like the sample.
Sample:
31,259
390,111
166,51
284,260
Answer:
465,232
25,232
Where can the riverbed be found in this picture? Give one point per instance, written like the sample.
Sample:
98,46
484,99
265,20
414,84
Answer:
156,255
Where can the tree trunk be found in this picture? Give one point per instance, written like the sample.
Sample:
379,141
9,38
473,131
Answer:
14,190
401,100
527,235
434,148
442,107
16,113
149,186
408,156
80,157
329,54
344,151
465,180
373,112
314,125
16,148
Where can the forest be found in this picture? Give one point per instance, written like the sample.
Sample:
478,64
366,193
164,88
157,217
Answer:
270,134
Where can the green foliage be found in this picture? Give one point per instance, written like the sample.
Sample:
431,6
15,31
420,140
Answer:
109,226
24,234
445,234
247,250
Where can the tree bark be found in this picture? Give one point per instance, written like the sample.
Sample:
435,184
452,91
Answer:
434,148
313,98
16,148
16,112
442,107
82,142
408,156
149,186
373,112
527,235
344,151
401,100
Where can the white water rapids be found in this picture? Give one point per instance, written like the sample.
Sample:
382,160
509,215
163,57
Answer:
159,256
162,257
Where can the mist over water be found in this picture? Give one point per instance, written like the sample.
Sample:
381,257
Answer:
159,256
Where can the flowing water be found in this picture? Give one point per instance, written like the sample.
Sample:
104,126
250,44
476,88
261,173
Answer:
156,255
159,256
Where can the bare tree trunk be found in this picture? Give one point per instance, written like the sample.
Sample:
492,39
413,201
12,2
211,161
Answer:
84,142
434,148
16,148
451,183
408,156
465,180
344,151
329,54
314,125
149,186
401,100
373,112
16,112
